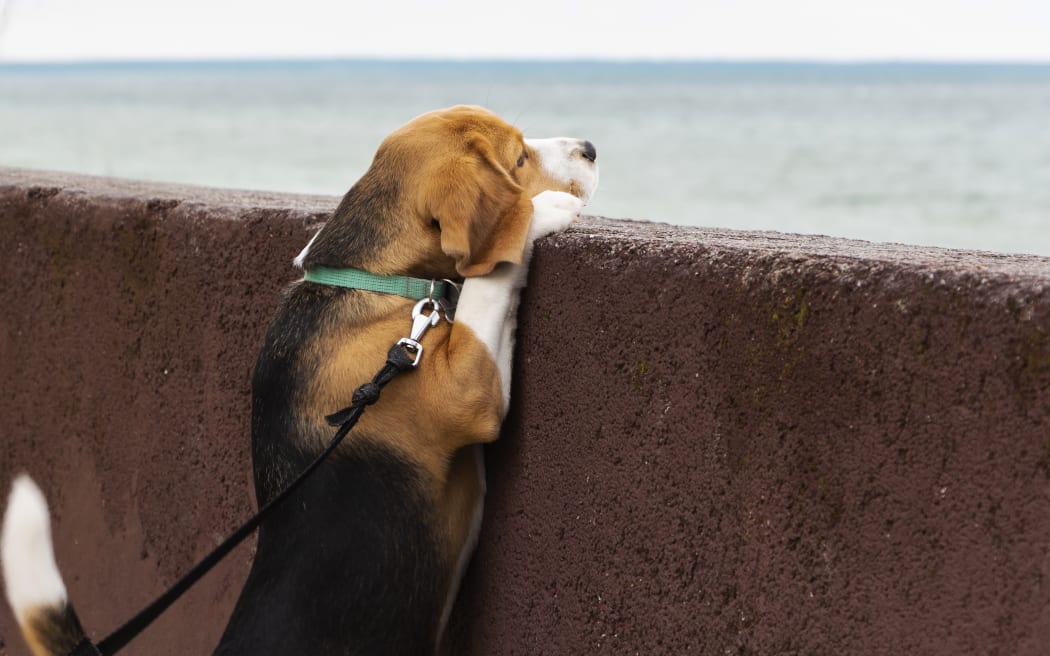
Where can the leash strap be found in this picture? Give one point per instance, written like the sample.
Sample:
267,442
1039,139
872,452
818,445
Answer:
398,359
85,648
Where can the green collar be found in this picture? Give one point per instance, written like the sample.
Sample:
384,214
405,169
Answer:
414,288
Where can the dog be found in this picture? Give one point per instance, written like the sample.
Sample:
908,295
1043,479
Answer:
367,556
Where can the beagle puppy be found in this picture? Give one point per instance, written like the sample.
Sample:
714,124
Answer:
367,556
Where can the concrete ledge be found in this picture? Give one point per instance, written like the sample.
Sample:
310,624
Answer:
720,442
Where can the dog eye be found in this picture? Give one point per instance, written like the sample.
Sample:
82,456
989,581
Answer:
521,160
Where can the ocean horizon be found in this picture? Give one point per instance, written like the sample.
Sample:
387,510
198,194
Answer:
952,154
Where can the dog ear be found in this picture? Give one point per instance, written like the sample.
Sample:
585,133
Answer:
482,211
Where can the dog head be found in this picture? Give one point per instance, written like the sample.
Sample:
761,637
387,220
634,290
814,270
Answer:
449,195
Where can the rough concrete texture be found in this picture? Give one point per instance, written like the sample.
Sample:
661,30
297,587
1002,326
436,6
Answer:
719,442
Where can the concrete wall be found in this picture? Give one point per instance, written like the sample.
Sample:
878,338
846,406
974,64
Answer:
720,442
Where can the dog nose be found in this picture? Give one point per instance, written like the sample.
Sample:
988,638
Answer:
589,152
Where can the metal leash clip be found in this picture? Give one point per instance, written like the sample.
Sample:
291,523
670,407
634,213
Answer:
420,323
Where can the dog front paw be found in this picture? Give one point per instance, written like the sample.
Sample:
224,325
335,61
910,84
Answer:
553,211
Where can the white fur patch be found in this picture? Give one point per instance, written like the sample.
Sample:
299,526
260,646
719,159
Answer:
562,158
486,305
301,257
552,211
30,574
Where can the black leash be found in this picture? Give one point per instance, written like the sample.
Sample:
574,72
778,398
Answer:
398,359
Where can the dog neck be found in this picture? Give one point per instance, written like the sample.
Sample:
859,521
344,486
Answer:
372,231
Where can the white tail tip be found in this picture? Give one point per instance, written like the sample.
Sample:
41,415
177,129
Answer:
31,576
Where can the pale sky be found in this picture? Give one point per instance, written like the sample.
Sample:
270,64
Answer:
49,30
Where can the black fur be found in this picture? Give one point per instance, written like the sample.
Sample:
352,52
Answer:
278,384
349,564
58,629
370,199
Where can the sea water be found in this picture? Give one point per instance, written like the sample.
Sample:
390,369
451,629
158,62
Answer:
952,155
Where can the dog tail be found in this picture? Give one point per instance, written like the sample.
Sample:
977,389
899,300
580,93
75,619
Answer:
34,586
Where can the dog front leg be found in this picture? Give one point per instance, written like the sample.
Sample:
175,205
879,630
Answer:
488,305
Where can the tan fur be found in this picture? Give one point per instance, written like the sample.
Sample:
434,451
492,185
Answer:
31,626
453,399
465,210
463,204
49,630
461,208
457,502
